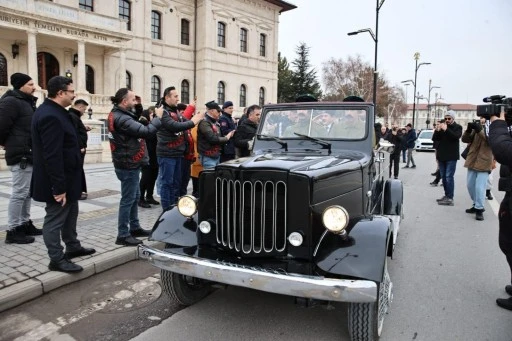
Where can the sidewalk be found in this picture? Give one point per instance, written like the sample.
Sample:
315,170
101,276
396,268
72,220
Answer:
24,273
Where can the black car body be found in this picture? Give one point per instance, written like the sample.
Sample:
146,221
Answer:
272,221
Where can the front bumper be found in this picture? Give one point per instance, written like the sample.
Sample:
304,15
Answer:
315,287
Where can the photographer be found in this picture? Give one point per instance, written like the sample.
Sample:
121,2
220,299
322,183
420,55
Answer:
500,139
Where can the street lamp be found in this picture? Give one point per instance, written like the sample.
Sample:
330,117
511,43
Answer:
416,57
375,38
430,87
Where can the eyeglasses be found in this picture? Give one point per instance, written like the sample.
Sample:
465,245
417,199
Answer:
448,118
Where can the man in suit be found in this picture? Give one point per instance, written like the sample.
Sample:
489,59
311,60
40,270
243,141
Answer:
57,174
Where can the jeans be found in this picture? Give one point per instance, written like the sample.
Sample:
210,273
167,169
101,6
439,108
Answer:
477,183
128,217
209,162
20,201
447,169
409,157
60,220
170,173
185,176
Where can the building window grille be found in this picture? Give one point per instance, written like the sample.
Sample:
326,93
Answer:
155,89
243,40
156,25
221,93
221,34
125,11
185,32
86,5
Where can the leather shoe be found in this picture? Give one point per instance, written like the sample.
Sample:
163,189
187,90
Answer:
505,303
140,233
64,265
144,204
508,289
152,201
83,196
84,251
128,241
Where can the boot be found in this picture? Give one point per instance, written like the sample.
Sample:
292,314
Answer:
505,303
479,214
31,230
144,204
152,201
488,194
17,235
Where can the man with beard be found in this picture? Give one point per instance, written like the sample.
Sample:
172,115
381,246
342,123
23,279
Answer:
244,136
129,153
16,110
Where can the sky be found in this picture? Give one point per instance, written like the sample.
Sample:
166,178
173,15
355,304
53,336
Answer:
468,42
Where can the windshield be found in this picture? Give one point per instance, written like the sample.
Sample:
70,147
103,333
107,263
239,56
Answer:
319,123
426,135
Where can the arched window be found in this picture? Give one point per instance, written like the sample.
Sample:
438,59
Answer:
185,32
125,13
243,95
221,93
3,71
262,97
243,40
89,79
47,67
128,80
155,89
185,91
263,45
221,34
156,25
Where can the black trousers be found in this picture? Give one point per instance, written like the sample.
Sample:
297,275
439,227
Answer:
60,221
394,162
505,234
84,182
147,181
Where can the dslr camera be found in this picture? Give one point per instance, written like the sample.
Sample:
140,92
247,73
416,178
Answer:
498,103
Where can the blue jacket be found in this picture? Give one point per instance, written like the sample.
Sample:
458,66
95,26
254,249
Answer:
226,125
56,154
411,138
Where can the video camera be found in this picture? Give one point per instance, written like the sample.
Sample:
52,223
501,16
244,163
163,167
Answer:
498,103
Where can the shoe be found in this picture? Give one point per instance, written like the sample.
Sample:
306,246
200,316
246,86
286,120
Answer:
508,289
31,230
442,198
152,201
17,235
479,214
84,251
140,233
405,167
446,202
413,166
128,241
505,303
434,184
471,210
144,204
396,177
83,196
64,265
488,194
434,174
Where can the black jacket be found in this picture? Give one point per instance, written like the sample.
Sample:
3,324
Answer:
245,133
209,139
448,148
57,160
226,125
396,140
127,138
151,144
171,136
79,126
500,139
16,111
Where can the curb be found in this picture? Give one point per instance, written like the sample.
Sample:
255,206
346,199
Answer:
25,291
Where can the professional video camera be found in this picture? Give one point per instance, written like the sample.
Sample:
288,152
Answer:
498,103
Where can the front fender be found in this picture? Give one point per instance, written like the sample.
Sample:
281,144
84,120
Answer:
173,228
361,255
393,197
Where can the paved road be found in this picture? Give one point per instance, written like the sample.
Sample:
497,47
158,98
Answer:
447,273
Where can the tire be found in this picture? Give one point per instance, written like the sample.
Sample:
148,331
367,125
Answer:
365,320
184,290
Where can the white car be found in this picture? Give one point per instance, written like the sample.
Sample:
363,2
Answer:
424,140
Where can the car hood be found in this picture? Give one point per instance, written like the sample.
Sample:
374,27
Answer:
293,162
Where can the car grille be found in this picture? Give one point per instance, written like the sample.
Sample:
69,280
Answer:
251,215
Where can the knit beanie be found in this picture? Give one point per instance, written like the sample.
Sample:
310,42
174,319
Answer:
19,79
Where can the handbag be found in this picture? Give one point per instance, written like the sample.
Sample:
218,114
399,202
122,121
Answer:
465,152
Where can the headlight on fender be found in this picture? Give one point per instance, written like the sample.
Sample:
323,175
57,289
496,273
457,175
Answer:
187,205
335,219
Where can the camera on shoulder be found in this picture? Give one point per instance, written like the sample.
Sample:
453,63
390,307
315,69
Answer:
498,103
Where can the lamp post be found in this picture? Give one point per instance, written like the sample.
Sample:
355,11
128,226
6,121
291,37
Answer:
430,87
375,38
407,83
418,97
416,57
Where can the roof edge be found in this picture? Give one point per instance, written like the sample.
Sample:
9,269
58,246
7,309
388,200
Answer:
285,6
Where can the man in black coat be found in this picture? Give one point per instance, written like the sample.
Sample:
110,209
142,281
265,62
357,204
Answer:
244,135
227,124
76,112
56,179
500,139
16,110
448,136
394,137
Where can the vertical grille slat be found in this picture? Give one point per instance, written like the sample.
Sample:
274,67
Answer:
251,216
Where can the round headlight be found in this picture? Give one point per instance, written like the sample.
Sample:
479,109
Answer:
335,219
205,227
187,205
295,238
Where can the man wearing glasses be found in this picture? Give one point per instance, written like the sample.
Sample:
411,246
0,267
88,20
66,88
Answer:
447,134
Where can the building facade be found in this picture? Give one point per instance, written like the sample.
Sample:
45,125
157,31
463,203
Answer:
464,113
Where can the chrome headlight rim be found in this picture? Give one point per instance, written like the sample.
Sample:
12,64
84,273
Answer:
187,205
339,229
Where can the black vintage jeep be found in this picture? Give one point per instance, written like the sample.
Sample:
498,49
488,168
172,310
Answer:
312,214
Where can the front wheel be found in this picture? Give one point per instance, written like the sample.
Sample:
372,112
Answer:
365,320
184,290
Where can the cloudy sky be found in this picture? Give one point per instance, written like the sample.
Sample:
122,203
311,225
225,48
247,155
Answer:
468,42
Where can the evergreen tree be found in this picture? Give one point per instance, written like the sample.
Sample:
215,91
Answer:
285,91
303,79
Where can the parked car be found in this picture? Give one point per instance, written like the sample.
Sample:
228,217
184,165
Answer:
424,140
311,214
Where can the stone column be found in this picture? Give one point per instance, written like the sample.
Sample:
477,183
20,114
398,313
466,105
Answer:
122,67
32,56
80,79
